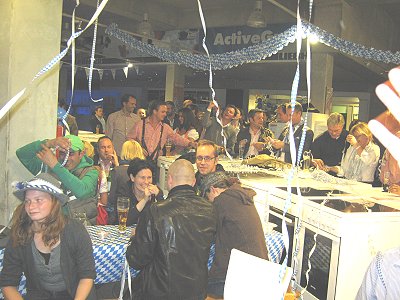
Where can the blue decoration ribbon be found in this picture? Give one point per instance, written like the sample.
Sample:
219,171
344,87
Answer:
10,103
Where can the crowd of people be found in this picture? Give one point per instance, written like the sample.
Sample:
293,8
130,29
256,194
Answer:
174,232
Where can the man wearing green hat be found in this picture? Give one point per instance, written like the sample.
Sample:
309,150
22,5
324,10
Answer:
73,169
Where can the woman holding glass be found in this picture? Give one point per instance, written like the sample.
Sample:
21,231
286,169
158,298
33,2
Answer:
361,158
54,252
139,188
186,127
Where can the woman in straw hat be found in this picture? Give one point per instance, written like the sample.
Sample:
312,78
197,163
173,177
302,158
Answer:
53,252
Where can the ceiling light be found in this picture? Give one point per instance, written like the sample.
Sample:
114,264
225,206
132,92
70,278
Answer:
145,27
256,18
313,38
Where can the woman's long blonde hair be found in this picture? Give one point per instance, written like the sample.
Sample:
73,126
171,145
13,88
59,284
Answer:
21,228
131,150
362,128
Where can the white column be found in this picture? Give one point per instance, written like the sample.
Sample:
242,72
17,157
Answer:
29,37
321,80
175,83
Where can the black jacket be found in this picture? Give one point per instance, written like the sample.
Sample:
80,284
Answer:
244,133
171,247
76,260
94,122
297,138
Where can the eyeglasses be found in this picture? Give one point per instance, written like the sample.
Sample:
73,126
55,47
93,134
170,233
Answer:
205,158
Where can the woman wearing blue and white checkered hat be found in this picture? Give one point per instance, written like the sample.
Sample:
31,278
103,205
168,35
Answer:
54,252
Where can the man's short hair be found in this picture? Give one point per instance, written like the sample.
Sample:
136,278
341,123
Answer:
297,107
282,107
155,105
234,108
103,138
208,143
335,119
170,103
125,98
253,112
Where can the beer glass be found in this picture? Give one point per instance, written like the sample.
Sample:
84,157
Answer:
242,144
122,208
307,157
168,146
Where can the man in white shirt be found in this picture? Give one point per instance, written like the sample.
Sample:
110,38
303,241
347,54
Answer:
254,137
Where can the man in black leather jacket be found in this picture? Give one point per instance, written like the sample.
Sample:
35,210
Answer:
172,242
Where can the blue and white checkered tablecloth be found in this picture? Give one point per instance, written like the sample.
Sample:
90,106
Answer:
109,247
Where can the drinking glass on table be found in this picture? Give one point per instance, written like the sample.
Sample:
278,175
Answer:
307,156
168,146
385,183
122,208
242,144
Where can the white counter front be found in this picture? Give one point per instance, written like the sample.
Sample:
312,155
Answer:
347,239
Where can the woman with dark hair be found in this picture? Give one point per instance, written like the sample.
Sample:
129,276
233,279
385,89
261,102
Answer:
53,252
238,226
197,117
139,188
186,122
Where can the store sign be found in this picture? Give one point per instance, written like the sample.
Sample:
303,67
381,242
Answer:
226,39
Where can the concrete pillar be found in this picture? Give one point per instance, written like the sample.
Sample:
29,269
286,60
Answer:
321,80
175,84
29,37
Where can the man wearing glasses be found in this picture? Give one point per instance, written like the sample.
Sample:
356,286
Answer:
206,161
73,168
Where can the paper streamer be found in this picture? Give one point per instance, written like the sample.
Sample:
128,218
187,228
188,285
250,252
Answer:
126,71
210,79
92,58
113,73
100,74
10,103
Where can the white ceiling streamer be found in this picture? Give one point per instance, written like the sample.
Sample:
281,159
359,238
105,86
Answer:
92,59
210,80
10,103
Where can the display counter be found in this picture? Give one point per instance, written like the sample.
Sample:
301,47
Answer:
350,222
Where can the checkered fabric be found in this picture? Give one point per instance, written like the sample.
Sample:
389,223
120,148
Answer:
21,287
109,248
275,246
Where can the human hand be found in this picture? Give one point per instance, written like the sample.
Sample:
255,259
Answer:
277,144
62,142
351,139
47,156
259,146
387,124
153,189
211,105
114,159
319,163
394,188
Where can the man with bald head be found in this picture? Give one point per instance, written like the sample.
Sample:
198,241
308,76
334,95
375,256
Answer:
172,241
